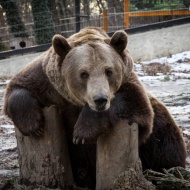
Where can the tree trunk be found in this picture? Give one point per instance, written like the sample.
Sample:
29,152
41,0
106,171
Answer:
43,21
118,165
45,160
13,18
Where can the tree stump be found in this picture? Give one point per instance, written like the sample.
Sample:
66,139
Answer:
45,160
118,165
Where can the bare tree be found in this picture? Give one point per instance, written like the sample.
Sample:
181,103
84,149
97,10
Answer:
186,3
43,22
13,18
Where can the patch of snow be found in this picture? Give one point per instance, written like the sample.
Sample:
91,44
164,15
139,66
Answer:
8,126
181,75
151,78
173,59
186,132
179,56
183,82
5,172
180,110
2,90
4,82
181,67
8,143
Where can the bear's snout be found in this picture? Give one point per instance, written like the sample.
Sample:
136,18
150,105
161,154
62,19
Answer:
100,101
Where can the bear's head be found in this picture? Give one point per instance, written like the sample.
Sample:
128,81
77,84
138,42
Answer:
93,69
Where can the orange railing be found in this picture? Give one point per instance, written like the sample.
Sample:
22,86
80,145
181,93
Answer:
128,14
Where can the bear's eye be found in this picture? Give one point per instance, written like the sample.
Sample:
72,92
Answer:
84,75
109,73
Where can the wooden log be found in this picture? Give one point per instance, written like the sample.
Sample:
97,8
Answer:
45,160
118,165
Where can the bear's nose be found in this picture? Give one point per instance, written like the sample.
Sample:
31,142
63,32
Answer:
100,101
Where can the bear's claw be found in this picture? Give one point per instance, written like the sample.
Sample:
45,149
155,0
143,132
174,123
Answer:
39,132
77,140
83,141
35,129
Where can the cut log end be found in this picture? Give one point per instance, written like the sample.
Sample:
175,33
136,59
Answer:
45,160
118,164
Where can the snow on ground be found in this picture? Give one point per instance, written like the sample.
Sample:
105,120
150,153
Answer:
179,57
167,78
171,87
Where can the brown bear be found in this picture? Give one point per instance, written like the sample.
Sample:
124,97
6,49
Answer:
94,73
164,148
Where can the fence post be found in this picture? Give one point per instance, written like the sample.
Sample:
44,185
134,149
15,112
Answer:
105,20
126,13
77,15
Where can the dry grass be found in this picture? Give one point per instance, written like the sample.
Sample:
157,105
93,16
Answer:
152,69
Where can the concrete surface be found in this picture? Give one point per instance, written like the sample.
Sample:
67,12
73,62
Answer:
9,67
142,46
159,43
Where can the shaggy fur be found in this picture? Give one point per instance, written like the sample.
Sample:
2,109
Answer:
130,103
165,148
90,77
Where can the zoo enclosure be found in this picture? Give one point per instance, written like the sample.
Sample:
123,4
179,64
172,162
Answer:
172,10
27,23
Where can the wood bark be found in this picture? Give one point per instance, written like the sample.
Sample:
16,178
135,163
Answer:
118,165
45,160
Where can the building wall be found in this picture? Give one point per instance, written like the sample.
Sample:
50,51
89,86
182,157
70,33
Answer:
159,43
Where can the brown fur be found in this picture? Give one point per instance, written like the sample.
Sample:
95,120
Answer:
49,79
27,93
94,73
130,103
92,49
165,148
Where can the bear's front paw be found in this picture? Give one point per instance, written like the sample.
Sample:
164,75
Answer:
25,112
90,125
31,124
84,135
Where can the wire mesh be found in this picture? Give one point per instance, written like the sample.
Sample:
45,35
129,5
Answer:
17,17
152,11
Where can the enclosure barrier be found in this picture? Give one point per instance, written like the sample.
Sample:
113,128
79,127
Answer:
140,29
128,14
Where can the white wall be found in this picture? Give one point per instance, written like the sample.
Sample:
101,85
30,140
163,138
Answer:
159,43
142,46
9,67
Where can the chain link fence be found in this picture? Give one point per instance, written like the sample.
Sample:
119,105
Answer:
26,23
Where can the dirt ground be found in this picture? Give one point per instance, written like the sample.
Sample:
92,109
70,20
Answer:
171,87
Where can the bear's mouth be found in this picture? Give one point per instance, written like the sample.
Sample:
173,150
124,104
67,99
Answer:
99,108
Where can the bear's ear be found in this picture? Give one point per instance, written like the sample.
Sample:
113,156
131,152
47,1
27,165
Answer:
119,41
60,45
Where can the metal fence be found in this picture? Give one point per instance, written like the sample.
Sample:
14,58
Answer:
114,15
137,13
